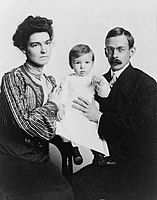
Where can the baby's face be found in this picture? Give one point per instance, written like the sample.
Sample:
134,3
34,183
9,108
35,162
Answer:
83,64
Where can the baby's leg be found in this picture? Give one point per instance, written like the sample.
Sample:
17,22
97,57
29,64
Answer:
74,150
64,139
102,159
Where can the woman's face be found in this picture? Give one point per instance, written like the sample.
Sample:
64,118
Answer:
39,48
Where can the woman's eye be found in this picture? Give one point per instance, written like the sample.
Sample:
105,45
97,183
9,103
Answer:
48,42
34,45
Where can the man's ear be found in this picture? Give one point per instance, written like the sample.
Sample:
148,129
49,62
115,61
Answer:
132,51
105,52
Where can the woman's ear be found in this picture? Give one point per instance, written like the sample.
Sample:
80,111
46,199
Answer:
24,51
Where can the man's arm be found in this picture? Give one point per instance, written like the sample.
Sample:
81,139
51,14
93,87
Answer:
130,121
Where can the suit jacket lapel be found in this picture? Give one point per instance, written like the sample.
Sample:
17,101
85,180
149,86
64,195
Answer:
122,81
108,75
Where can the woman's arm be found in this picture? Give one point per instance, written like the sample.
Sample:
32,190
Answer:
41,121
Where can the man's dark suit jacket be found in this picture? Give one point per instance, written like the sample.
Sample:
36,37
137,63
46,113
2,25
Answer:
128,124
129,119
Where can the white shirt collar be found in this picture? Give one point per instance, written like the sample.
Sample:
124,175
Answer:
117,73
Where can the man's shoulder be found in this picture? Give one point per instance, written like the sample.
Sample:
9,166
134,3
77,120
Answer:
139,80
134,73
143,76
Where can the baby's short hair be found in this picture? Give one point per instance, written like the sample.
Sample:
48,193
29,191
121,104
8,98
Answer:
78,51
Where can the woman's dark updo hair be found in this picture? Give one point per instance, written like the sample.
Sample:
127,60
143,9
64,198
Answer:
29,26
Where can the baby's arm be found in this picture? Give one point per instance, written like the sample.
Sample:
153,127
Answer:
64,87
64,98
101,86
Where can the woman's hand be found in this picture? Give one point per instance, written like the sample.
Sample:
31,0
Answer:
55,96
88,109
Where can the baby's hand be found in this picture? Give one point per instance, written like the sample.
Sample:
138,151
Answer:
97,80
101,86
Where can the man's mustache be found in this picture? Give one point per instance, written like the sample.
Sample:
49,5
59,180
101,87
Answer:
115,62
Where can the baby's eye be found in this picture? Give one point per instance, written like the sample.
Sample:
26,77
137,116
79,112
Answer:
87,62
77,63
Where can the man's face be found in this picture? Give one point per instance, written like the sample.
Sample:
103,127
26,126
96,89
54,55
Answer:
117,51
39,48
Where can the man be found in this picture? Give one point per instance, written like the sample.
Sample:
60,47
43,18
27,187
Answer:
127,121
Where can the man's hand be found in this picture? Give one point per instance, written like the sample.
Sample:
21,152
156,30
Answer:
88,109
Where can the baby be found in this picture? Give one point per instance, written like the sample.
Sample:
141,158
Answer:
72,124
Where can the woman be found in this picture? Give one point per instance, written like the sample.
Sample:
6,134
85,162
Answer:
28,120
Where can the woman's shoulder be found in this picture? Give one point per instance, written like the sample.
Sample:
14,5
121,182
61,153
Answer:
14,72
14,77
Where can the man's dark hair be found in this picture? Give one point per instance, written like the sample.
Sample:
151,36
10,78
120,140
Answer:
120,31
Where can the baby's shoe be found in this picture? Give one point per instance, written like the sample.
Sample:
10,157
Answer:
77,158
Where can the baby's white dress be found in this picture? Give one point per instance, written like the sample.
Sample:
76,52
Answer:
74,126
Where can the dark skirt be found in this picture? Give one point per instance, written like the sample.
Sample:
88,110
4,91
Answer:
25,180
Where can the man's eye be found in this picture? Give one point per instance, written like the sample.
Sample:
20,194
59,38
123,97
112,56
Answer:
87,62
121,49
109,50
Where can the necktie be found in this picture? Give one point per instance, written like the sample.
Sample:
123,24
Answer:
113,80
